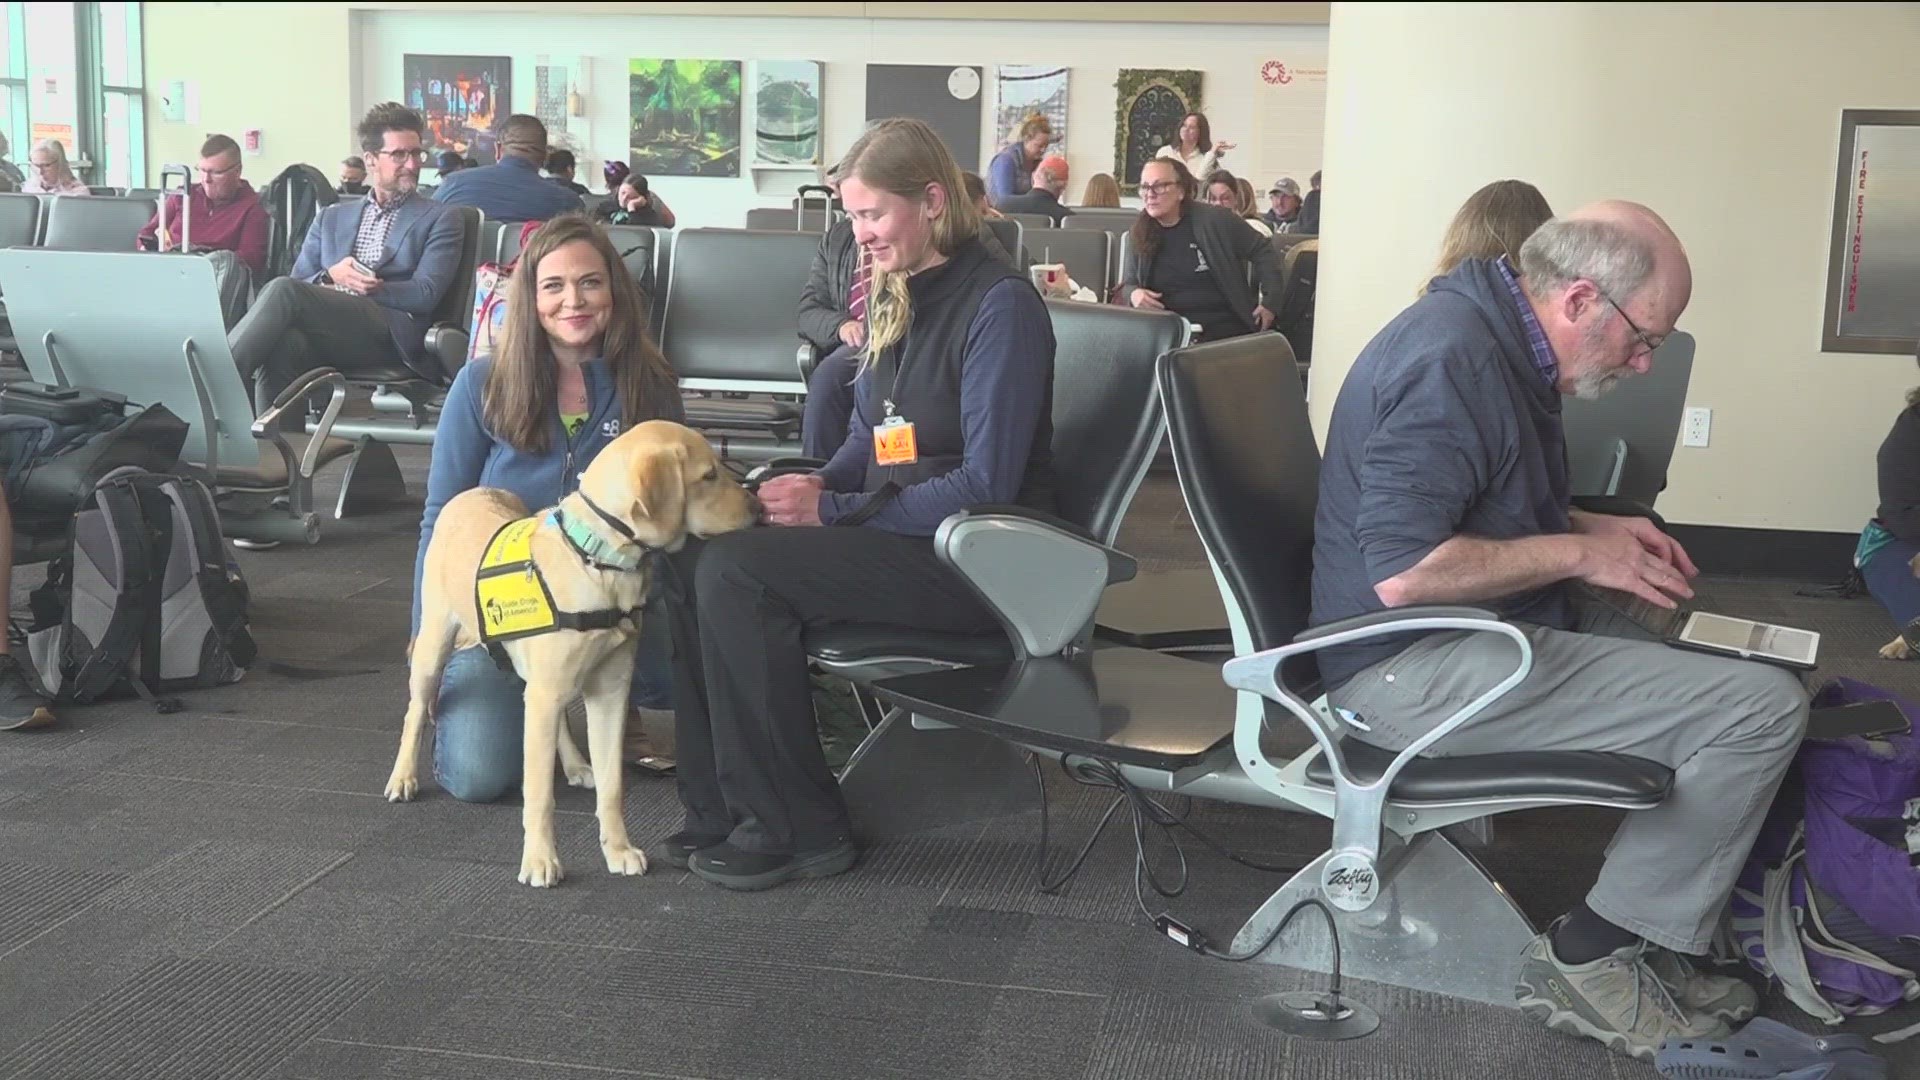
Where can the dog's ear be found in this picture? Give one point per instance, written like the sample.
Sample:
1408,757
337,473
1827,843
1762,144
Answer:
660,493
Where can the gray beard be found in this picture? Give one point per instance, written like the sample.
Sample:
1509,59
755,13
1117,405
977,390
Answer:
1596,385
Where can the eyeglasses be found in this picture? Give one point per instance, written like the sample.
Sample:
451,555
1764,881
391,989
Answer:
1647,344
228,171
402,156
1155,189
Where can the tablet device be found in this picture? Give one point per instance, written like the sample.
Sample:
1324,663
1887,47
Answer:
1747,639
1867,719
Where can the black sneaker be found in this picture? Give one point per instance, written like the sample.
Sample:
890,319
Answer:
746,871
22,706
675,850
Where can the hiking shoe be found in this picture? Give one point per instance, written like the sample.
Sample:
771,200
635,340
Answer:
750,871
22,705
1721,996
1616,999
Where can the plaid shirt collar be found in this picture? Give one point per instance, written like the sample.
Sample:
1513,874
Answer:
1547,364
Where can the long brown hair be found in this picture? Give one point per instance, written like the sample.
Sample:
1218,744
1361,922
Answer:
1206,134
1102,191
522,392
1146,231
1494,221
901,156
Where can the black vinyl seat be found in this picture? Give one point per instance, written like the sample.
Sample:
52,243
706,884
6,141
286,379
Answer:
1106,424
729,334
1573,775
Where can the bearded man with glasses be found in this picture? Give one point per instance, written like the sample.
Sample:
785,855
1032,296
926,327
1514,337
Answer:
368,278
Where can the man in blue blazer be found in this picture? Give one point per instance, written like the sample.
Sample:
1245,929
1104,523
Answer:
369,276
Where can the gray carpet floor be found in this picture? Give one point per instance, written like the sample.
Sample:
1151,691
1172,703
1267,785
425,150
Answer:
223,892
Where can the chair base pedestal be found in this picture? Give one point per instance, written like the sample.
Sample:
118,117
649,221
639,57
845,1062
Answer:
1314,1015
906,779
1441,924
372,480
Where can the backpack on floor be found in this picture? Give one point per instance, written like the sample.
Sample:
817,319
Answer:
1828,904
146,598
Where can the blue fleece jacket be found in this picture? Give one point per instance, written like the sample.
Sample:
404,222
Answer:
1443,427
467,455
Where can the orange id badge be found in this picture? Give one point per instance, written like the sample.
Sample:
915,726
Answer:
893,442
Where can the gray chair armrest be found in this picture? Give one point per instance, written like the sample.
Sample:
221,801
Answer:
266,428
1350,879
448,344
1039,575
1618,506
808,357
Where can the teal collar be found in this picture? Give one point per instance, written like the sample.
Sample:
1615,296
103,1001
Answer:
594,548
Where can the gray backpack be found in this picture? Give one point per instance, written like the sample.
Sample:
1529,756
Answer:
145,596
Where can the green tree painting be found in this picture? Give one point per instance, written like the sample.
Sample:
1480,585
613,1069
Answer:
685,117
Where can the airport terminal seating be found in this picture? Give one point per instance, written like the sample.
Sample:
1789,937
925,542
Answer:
1413,906
168,345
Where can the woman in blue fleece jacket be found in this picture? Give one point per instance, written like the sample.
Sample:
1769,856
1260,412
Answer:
573,370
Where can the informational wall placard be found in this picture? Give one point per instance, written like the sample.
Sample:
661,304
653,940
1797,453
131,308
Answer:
1289,121
946,97
1873,264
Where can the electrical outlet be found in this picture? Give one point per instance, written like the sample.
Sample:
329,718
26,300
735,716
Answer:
1697,428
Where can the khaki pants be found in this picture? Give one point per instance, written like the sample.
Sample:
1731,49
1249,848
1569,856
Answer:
1728,728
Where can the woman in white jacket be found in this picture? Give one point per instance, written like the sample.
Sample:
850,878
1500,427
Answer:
1194,147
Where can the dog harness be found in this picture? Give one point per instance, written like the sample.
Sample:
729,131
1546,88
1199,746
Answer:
513,596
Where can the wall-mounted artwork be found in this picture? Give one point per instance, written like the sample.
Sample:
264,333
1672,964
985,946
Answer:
786,112
1025,89
465,100
1151,103
685,118
550,97
947,98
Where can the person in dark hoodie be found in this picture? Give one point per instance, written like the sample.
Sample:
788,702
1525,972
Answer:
574,368
955,414
1445,482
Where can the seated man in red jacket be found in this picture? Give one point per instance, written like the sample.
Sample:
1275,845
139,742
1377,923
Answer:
223,215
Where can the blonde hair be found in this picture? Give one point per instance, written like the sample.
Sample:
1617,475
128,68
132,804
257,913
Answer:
56,150
902,157
1102,191
1494,221
521,396
1034,124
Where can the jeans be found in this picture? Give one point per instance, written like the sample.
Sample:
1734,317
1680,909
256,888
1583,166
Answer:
1890,579
829,403
479,721
1728,728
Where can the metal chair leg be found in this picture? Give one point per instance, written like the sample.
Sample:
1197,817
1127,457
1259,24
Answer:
372,480
904,779
1441,924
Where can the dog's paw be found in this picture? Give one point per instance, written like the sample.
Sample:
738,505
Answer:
402,788
1897,649
627,860
580,776
540,869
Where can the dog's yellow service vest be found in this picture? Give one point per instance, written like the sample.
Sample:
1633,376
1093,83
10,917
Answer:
513,596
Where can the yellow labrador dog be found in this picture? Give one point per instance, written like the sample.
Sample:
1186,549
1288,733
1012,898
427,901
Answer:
1897,648
645,492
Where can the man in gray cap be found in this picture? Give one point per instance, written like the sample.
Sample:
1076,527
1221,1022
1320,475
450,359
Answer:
1284,197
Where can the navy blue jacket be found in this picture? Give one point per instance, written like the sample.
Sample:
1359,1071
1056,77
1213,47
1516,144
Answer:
512,190
1443,426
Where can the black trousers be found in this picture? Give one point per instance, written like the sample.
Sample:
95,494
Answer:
296,326
750,764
